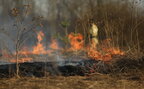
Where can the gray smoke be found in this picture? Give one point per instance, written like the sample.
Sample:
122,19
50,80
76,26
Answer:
52,11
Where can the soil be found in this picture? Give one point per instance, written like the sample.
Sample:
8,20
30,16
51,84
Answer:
120,74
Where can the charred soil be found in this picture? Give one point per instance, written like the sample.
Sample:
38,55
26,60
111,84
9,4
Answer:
88,74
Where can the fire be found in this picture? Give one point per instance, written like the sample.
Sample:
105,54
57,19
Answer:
39,48
54,45
94,54
21,60
105,53
76,41
110,49
25,51
115,51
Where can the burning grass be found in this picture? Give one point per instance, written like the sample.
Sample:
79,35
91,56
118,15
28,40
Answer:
99,60
102,52
110,28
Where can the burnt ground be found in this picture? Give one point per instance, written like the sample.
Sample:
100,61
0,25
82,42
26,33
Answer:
88,74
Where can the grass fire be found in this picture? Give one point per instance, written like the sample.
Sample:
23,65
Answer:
63,44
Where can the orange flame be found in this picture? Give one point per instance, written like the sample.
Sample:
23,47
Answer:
105,53
115,51
94,54
39,48
21,60
54,45
102,52
76,41
25,51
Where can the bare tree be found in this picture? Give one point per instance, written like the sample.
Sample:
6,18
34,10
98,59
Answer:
23,27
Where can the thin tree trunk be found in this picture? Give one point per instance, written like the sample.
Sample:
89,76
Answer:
17,62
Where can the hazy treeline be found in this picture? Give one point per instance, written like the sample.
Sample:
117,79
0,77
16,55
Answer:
105,13
55,11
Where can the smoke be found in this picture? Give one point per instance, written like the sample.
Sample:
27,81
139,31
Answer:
49,9
41,7
0,9
7,43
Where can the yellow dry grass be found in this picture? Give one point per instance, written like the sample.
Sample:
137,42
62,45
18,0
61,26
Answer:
95,81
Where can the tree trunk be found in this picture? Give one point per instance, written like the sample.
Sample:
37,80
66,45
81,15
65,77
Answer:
17,63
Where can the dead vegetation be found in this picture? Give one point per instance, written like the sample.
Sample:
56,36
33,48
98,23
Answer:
118,24
95,81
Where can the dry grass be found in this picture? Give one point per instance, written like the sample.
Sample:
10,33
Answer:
119,22
115,21
95,81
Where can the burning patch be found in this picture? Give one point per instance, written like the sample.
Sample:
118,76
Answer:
103,51
39,48
21,60
76,41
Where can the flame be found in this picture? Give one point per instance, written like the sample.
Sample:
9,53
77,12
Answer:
25,51
115,51
76,41
105,53
39,48
94,54
110,49
54,45
21,60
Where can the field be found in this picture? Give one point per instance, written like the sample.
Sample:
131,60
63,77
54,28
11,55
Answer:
71,44
95,81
